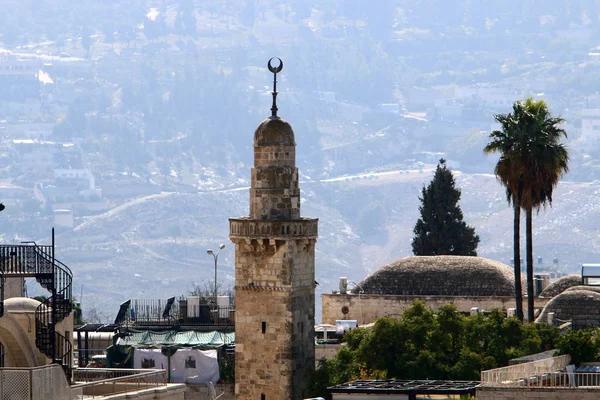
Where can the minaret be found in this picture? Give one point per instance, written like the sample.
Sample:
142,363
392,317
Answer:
274,272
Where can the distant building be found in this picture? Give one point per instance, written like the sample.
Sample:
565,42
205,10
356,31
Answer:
18,79
63,218
393,108
492,97
590,125
83,175
29,130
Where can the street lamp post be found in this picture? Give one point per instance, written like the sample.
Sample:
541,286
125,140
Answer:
216,257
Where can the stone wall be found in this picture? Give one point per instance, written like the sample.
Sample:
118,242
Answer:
581,304
274,192
366,308
263,349
13,287
201,392
270,263
274,317
538,393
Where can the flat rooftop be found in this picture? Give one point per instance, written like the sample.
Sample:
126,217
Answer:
406,387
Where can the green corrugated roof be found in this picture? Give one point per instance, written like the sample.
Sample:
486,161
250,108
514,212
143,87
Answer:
173,338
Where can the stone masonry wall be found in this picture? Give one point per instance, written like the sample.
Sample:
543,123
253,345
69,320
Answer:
367,308
275,263
263,361
274,192
274,290
581,304
303,340
13,287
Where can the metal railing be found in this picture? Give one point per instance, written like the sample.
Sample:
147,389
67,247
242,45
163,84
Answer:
554,380
47,382
100,382
513,375
32,260
155,312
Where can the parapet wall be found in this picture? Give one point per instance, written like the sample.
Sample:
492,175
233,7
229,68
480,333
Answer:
367,308
538,393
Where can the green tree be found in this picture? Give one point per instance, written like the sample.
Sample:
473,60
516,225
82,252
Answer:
508,143
581,345
444,344
548,160
77,313
441,229
532,161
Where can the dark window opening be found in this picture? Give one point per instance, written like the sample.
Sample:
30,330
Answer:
190,362
264,327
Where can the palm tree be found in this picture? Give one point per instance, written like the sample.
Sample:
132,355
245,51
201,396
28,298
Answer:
546,163
508,171
532,160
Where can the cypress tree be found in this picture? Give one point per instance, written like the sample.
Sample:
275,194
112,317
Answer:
441,229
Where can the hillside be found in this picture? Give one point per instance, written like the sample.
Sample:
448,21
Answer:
151,106
155,247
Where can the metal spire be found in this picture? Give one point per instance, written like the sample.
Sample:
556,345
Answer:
275,71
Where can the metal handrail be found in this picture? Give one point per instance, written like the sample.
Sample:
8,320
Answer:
133,378
550,380
119,378
62,284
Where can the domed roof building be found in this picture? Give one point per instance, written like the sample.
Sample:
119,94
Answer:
561,284
472,284
17,333
21,305
441,276
579,304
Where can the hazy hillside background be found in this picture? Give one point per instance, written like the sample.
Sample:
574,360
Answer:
164,96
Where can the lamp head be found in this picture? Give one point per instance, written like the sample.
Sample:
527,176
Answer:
221,247
209,252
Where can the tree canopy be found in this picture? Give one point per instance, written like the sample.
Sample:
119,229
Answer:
532,160
441,229
445,344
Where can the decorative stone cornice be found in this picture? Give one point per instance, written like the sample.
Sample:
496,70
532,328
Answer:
258,288
286,230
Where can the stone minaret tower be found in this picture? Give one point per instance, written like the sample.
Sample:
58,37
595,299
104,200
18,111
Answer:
274,273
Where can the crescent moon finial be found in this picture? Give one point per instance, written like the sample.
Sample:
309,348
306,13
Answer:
275,71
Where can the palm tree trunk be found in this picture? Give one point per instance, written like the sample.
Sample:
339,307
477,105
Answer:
517,258
529,245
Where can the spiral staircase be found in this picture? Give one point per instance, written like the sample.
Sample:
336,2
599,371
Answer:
32,260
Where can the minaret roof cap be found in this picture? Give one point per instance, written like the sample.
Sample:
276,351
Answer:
274,132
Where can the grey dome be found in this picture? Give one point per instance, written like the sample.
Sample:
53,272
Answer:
560,285
274,132
441,276
576,303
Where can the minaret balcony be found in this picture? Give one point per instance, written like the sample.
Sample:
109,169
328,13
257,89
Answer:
284,229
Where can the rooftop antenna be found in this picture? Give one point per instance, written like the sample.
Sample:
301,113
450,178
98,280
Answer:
275,71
